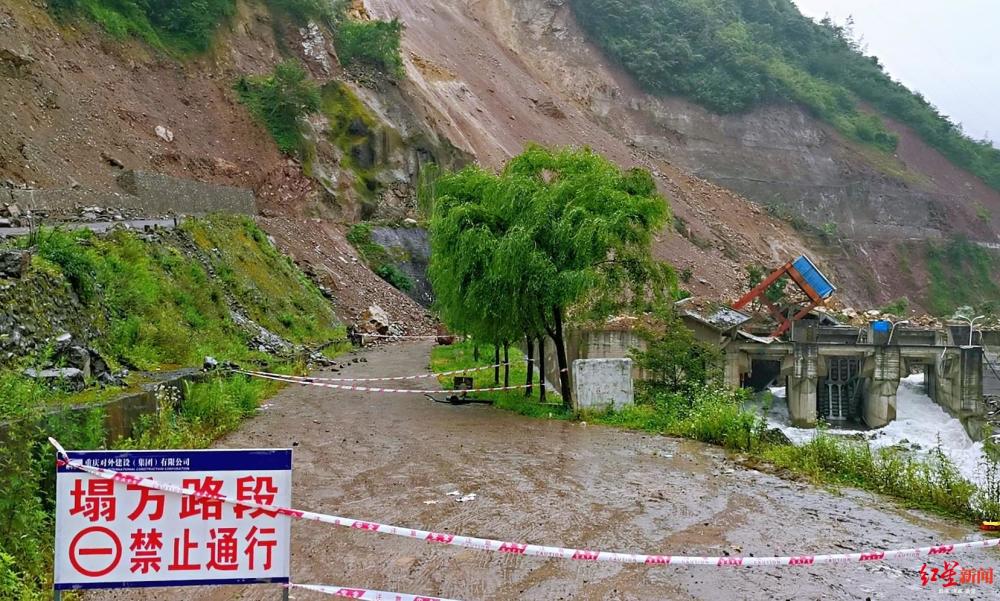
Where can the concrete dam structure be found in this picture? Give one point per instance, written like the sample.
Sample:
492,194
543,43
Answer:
849,374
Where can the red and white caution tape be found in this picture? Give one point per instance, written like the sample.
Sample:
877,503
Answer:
514,548
410,337
306,382
386,379
360,593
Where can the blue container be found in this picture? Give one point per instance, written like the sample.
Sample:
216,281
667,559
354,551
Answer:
882,327
814,277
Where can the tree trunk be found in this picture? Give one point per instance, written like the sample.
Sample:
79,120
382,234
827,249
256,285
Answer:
531,366
541,369
560,343
496,362
506,365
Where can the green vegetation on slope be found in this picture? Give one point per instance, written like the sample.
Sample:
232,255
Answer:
160,307
164,24
373,43
158,303
962,273
189,27
280,101
181,27
733,55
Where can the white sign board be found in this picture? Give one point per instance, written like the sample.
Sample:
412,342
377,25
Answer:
116,535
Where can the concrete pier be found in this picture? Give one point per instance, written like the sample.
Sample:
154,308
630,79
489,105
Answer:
842,374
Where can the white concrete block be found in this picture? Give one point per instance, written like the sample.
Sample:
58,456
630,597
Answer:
598,383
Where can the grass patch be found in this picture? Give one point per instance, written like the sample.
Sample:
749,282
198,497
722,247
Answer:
168,25
266,283
156,304
373,43
462,356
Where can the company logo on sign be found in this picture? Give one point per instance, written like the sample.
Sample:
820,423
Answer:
113,534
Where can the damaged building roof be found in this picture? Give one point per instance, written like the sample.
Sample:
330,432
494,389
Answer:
712,313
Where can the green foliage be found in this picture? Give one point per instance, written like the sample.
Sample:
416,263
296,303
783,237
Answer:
960,273
933,483
775,293
395,276
674,360
170,25
553,230
898,307
370,43
159,306
305,10
733,55
69,252
266,284
280,101
461,356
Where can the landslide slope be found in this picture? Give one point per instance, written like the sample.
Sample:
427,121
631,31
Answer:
79,105
479,71
500,73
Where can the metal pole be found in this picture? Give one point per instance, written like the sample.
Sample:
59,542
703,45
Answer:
972,325
284,594
56,595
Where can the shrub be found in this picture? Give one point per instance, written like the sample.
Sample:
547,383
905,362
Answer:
897,307
395,276
280,101
372,43
165,24
304,10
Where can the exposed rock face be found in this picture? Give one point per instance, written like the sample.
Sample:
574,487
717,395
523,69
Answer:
412,247
35,310
14,263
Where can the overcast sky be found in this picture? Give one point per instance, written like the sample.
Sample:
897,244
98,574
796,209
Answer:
948,50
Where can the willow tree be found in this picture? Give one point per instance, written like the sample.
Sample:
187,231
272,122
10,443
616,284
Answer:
511,253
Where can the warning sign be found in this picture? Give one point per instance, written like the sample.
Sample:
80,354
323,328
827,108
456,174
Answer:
115,534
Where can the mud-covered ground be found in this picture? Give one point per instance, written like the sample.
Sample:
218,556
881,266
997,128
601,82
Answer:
560,483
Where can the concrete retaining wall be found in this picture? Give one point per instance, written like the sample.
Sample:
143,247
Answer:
143,193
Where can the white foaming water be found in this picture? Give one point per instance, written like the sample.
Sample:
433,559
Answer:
919,423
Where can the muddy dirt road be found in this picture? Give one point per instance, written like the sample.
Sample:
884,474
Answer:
382,457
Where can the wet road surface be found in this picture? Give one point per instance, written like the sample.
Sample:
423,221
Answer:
380,458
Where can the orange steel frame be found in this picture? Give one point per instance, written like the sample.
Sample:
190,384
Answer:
784,323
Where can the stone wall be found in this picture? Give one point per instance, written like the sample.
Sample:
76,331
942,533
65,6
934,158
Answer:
140,193
36,309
